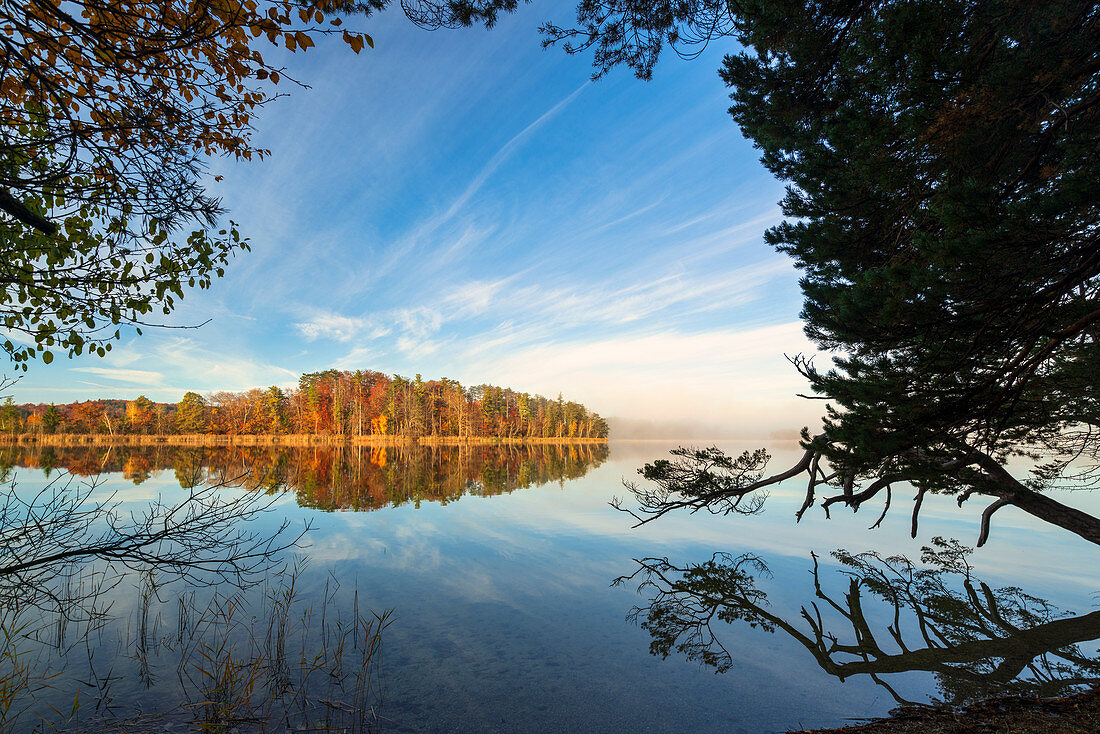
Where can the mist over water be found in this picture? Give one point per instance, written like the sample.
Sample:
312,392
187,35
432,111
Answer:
645,429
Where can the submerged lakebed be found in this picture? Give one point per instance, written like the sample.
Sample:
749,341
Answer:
496,565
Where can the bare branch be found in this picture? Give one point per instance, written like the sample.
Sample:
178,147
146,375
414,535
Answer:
917,502
60,537
986,515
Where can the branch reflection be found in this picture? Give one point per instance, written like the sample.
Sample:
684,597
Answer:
893,617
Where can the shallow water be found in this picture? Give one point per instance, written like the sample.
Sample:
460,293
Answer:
498,566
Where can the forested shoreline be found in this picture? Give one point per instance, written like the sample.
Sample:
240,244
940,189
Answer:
328,406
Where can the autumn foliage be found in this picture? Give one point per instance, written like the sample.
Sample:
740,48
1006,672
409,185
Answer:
329,403
109,112
117,82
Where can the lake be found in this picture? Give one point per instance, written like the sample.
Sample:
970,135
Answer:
497,564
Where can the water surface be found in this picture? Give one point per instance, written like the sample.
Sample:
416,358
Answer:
498,564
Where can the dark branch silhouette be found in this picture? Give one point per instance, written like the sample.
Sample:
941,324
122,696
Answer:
709,479
17,209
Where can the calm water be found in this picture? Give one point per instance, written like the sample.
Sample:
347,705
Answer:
498,565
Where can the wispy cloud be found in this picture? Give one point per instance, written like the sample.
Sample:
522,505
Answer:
419,322
423,232
511,300
132,377
643,299
16,337
505,152
330,326
475,297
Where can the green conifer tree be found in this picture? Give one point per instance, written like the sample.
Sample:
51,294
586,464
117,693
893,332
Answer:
944,209
191,414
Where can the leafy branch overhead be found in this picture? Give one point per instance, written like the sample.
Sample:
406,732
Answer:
108,113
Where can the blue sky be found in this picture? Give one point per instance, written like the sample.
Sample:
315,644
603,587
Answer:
468,204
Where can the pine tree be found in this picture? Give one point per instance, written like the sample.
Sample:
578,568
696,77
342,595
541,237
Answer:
191,414
944,208
51,419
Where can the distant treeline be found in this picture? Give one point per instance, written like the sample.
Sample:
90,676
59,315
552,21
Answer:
331,478
333,402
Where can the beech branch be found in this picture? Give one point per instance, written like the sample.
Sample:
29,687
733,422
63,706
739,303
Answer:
20,212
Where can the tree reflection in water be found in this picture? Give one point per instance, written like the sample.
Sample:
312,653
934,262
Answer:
978,641
334,477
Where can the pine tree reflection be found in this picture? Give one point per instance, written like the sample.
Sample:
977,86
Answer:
894,617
